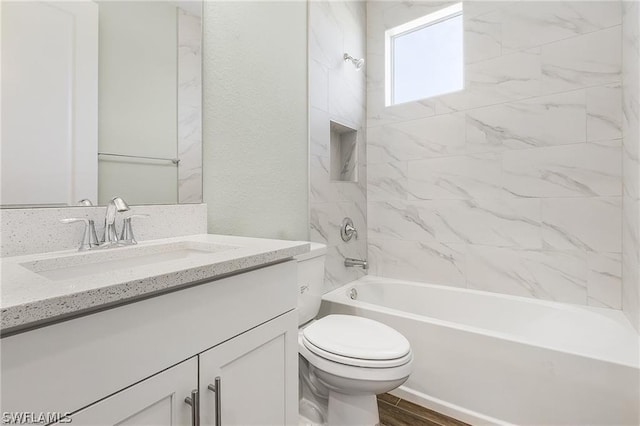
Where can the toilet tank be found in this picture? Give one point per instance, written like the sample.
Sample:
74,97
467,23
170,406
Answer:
310,282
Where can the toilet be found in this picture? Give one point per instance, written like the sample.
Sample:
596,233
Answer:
344,360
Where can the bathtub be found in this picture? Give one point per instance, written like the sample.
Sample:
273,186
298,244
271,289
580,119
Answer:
487,358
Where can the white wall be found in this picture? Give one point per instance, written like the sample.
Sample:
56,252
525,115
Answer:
49,103
512,185
255,151
337,92
631,162
137,102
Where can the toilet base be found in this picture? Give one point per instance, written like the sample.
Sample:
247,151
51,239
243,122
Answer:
310,414
352,410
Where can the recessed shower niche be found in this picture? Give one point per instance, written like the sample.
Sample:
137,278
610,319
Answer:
344,141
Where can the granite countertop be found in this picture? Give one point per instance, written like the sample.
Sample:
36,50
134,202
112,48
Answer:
35,289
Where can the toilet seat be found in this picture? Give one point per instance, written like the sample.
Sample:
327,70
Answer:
355,362
353,372
356,341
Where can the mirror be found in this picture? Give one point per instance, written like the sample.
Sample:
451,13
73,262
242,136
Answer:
101,98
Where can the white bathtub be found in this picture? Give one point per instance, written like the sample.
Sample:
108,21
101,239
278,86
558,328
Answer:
487,358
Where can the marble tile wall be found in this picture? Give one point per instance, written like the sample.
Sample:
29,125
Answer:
189,107
631,161
514,184
337,92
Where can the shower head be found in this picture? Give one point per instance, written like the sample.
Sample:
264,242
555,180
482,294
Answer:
358,63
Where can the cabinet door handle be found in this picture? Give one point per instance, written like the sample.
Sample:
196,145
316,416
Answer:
216,389
194,402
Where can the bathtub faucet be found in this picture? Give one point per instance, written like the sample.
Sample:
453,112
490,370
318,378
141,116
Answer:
349,262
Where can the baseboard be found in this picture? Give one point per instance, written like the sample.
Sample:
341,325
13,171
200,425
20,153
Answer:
446,408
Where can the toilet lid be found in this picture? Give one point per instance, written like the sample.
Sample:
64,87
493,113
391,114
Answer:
356,337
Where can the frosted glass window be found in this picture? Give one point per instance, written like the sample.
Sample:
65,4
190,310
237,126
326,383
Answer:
425,57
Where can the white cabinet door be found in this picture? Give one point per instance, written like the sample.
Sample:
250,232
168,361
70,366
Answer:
156,401
258,373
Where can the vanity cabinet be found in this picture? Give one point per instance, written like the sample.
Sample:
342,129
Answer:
158,401
135,364
255,384
248,380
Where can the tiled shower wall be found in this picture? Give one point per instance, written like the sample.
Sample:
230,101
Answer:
631,162
337,93
512,185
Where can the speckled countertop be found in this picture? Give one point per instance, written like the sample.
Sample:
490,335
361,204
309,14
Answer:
36,288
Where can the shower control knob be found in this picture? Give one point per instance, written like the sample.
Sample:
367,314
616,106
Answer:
347,230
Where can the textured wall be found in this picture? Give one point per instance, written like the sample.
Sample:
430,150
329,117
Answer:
630,161
255,138
337,92
512,185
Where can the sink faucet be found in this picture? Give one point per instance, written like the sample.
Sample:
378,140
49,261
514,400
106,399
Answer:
116,205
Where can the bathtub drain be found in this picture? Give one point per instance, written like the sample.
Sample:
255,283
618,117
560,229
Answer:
353,294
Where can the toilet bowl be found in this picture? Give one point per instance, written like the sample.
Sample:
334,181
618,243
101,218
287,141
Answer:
345,361
354,359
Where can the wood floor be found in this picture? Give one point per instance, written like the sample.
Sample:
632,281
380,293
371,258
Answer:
398,412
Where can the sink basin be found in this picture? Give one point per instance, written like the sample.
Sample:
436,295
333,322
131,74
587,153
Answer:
69,266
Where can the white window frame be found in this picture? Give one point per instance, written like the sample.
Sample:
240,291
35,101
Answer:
411,26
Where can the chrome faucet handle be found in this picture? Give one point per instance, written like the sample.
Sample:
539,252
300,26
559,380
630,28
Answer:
351,230
89,238
126,236
347,230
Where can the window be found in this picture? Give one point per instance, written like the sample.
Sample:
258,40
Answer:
424,57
